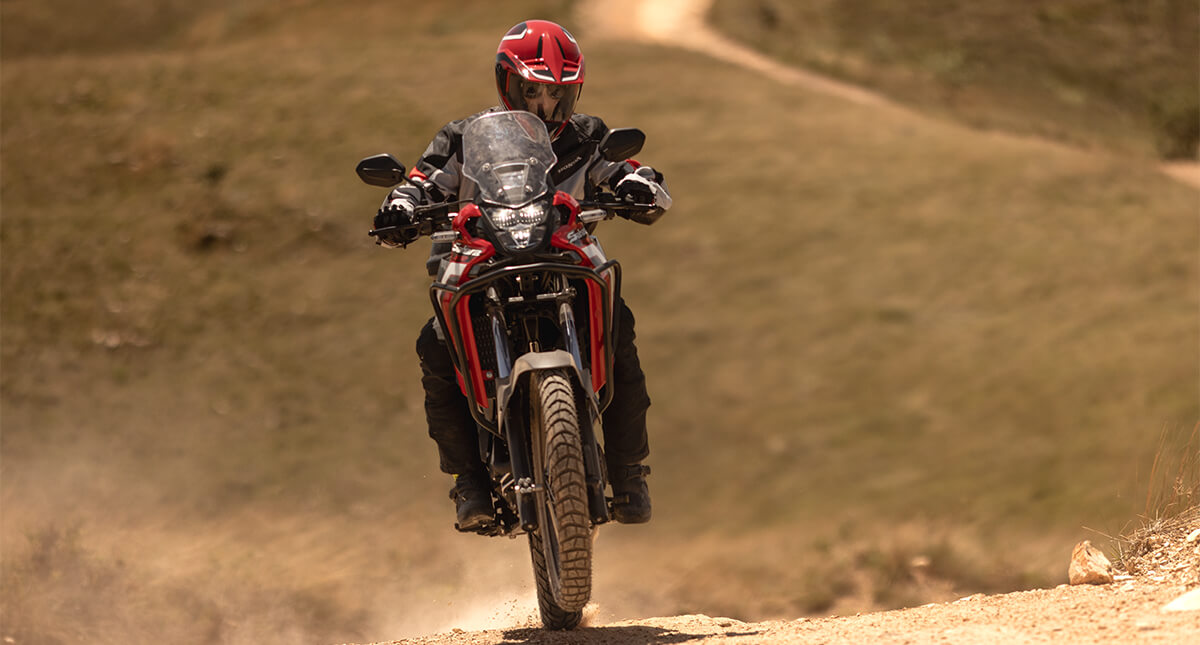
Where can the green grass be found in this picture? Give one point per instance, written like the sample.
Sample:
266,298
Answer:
851,320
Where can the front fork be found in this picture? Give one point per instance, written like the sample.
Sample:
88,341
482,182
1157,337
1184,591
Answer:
596,480
527,493
518,441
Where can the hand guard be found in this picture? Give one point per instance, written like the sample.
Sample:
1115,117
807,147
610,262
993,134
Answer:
397,216
643,186
635,189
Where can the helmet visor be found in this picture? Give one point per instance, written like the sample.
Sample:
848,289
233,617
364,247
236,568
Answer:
551,102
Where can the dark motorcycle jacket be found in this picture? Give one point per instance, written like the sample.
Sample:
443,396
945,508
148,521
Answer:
579,171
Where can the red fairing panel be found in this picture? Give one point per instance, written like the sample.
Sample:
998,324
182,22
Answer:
595,305
466,254
468,332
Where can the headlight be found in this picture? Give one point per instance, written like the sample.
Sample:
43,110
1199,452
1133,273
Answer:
518,228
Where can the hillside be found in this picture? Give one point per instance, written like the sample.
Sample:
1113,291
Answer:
1106,75
870,335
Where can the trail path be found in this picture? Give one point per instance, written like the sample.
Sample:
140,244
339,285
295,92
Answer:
1159,603
681,23
1122,613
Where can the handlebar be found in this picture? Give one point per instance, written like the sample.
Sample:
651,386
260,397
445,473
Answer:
427,219
611,208
430,218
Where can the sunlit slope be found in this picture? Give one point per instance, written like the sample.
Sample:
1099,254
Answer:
917,315
848,313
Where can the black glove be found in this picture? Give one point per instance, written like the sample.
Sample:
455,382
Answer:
635,189
397,217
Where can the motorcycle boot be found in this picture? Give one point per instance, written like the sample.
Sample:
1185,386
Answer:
472,495
631,496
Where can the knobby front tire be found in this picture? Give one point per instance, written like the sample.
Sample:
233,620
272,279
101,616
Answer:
561,548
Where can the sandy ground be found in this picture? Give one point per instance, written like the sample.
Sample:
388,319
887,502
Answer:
1129,613
1188,173
1155,598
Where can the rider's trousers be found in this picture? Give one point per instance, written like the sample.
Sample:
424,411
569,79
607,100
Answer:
456,434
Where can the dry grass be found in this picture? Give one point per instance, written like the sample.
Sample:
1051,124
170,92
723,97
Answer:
1160,551
1157,546
1096,74
1174,480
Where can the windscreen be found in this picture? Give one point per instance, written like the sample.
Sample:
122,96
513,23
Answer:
508,155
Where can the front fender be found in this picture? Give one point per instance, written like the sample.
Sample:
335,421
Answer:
538,361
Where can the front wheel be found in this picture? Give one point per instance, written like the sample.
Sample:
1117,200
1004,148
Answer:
561,548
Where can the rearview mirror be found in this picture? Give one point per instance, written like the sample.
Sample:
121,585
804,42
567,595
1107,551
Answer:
380,170
621,144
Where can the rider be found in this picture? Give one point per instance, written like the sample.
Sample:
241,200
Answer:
540,69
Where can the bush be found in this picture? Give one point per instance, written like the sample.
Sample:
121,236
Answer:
1176,121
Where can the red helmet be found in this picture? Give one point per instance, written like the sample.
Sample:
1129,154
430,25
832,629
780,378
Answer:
539,68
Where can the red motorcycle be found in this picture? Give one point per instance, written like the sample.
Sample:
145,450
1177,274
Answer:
526,305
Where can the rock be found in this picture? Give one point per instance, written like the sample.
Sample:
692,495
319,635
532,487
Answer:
1089,566
1193,536
1189,601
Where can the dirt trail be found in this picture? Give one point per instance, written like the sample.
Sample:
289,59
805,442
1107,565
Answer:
681,23
1129,613
1149,603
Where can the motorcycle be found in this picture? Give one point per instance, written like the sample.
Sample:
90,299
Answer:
525,302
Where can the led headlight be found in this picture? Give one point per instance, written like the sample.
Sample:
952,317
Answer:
518,228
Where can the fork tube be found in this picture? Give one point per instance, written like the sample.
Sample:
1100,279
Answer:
597,506
567,320
514,434
500,340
